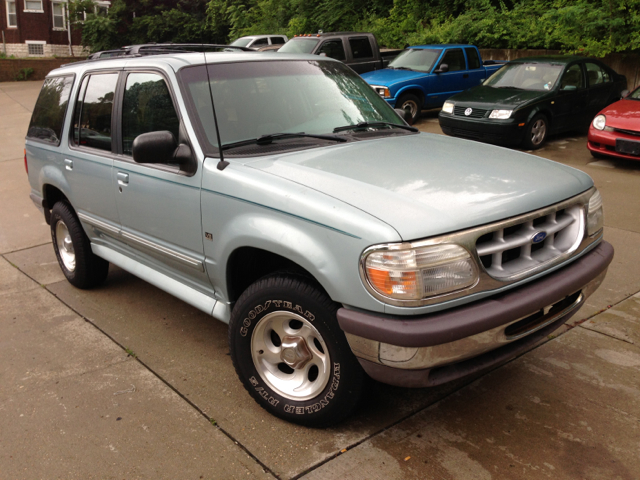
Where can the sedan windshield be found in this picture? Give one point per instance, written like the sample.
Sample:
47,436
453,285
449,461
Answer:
255,99
418,59
302,45
526,76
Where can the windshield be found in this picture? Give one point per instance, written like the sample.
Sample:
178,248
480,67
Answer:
418,59
241,42
263,98
302,45
526,76
635,95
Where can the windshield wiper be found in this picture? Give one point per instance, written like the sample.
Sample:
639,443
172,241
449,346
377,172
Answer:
267,139
373,125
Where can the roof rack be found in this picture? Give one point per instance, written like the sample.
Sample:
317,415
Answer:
159,49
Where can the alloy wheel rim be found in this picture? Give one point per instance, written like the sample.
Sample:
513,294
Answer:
538,131
411,106
290,355
65,246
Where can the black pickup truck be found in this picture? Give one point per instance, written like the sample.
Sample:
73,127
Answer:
358,50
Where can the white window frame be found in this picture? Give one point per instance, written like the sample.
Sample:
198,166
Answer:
101,3
36,42
15,12
34,11
63,3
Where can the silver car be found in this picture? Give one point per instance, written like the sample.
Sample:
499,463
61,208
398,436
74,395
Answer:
284,197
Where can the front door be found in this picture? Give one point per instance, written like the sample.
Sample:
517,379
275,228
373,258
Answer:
571,102
158,205
451,82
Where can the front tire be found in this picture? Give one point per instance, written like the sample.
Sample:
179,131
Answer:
290,353
536,133
80,266
411,104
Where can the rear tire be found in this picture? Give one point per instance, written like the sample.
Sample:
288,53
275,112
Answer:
412,104
82,268
290,353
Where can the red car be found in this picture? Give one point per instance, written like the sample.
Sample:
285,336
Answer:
615,131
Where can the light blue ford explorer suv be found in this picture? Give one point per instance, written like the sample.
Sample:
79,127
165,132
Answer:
284,197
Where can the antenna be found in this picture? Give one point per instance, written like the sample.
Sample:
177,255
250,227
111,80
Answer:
222,164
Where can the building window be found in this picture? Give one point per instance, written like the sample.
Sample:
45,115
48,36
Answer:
59,16
12,19
33,6
35,48
102,8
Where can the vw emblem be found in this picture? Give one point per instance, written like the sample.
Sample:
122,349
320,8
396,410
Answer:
468,111
539,237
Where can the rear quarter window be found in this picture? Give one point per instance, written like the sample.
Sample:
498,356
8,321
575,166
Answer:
48,114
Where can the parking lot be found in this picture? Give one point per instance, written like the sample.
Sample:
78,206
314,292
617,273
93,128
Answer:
126,381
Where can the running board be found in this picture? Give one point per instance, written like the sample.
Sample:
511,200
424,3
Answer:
208,305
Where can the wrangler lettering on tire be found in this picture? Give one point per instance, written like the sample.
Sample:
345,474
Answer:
290,353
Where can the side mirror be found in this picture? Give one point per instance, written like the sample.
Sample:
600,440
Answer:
322,54
403,114
624,93
443,68
159,147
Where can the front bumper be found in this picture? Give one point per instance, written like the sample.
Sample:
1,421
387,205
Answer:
500,132
437,348
604,143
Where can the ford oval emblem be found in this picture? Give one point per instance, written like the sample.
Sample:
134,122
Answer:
468,111
539,237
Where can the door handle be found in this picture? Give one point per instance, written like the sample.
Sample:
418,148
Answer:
123,178
68,164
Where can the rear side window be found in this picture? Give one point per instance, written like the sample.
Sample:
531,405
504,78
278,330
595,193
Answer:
92,117
596,74
48,114
147,107
277,41
472,58
361,47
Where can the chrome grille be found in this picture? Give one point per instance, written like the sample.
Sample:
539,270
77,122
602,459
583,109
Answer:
509,252
475,112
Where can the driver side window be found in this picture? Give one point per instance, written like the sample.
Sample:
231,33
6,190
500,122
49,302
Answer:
454,59
333,49
147,107
572,78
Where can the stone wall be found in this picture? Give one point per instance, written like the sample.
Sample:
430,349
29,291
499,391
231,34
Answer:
10,68
627,64
22,50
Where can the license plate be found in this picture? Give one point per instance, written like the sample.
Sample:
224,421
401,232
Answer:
630,147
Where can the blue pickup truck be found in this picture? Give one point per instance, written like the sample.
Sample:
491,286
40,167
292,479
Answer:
425,76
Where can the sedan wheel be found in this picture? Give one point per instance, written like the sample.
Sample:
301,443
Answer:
536,133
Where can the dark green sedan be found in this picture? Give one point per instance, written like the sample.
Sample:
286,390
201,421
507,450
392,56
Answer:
531,98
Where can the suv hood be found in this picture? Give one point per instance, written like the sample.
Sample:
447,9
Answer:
388,76
489,97
426,184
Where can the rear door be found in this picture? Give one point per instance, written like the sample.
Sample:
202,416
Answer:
158,204
362,54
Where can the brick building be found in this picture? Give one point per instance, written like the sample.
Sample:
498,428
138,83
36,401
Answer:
39,28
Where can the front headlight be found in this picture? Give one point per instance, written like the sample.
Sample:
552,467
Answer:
417,273
599,122
501,114
595,214
382,91
447,107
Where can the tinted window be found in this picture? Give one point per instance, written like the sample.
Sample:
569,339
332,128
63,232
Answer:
260,42
48,114
596,74
94,112
361,48
147,107
572,77
454,59
333,49
277,41
472,58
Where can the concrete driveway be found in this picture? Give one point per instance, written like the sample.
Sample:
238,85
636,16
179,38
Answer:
125,381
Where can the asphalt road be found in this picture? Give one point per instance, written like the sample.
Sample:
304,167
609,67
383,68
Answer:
125,381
